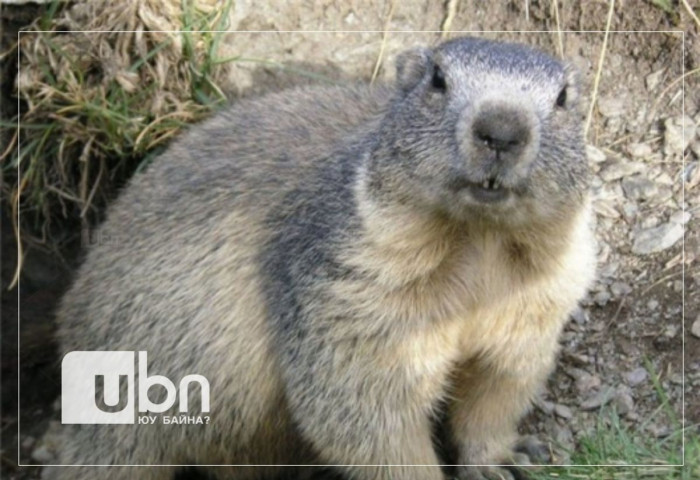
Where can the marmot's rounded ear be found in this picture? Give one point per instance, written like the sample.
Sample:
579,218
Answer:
411,66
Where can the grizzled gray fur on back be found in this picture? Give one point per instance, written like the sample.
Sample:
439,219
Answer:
348,266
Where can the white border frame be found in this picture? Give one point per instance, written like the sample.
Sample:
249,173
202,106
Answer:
383,32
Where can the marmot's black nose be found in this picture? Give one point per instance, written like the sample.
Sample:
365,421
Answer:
501,129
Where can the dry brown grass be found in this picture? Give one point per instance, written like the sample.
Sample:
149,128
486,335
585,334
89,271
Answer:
106,86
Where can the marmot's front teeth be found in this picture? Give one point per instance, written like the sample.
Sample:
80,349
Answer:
491,184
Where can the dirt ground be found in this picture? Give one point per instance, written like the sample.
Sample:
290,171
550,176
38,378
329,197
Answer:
642,315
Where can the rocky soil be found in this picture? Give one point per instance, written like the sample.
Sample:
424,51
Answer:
631,325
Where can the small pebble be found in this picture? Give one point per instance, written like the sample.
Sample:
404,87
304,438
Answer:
695,147
630,211
563,411
609,269
657,239
611,106
678,133
659,431
584,382
623,403
563,436
598,326
663,195
594,154
654,79
620,289
695,328
680,217
617,169
649,222
670,331
578,359
580,316
678,286
664,179
598,399
636,376
602,298
638,187
544,406
606,208
639,150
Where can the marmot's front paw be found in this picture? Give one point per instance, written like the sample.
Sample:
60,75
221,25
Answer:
536,451
528,452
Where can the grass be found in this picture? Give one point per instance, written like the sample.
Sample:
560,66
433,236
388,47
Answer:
665,5
98,106
612,446
616,446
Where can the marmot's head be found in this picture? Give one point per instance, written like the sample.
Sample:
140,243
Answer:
483,129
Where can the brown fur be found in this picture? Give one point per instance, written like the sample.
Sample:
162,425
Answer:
405,301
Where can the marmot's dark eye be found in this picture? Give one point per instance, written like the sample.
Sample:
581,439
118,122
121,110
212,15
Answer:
561,99
439,79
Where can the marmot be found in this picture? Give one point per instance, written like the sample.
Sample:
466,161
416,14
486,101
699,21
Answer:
344,265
